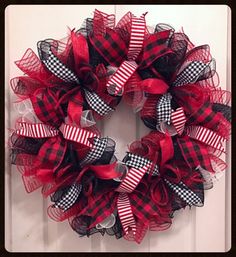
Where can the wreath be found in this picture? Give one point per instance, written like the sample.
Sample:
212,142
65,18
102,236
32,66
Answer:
74,82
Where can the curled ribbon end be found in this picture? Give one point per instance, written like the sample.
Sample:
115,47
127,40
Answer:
144,14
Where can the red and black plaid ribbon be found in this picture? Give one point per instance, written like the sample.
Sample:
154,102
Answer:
155,46
195,153
44,105
52,152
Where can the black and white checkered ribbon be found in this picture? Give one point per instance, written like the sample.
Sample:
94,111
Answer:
69,198
163,109
190,74
96,103
54,65
139,162
185,193
99,146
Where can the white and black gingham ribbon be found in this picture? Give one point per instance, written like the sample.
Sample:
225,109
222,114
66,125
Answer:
54,65
99,146
69,198
163,109
190,74
96,103
185,193
139,162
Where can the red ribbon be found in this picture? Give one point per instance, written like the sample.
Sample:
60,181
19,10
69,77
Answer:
75,109
154,86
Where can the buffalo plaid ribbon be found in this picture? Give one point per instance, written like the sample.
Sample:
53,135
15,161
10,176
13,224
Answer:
100,207
52,150
44,107
195,153
143,207
155,46
205,116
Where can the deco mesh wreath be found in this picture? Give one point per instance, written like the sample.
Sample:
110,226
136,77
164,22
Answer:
74,82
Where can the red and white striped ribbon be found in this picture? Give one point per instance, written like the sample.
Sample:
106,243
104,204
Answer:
121,76
178,119
129,183
206,136
117,81
36,130
78,135
138,27
125,213
132,179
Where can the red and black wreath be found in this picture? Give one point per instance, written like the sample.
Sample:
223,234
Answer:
76,81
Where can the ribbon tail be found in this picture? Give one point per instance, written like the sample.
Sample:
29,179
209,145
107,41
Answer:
185,193
125,213
36,130
117,81
178,119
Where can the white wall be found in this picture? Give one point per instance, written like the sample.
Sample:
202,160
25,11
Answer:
28,229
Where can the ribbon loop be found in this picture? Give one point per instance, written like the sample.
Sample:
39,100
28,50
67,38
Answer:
69,198
178,119
99,146
132,179
163,109
206,136
96,103
138,162
117,81
54,65
36,130
125,213
138,27
185,193
77,134
191,73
